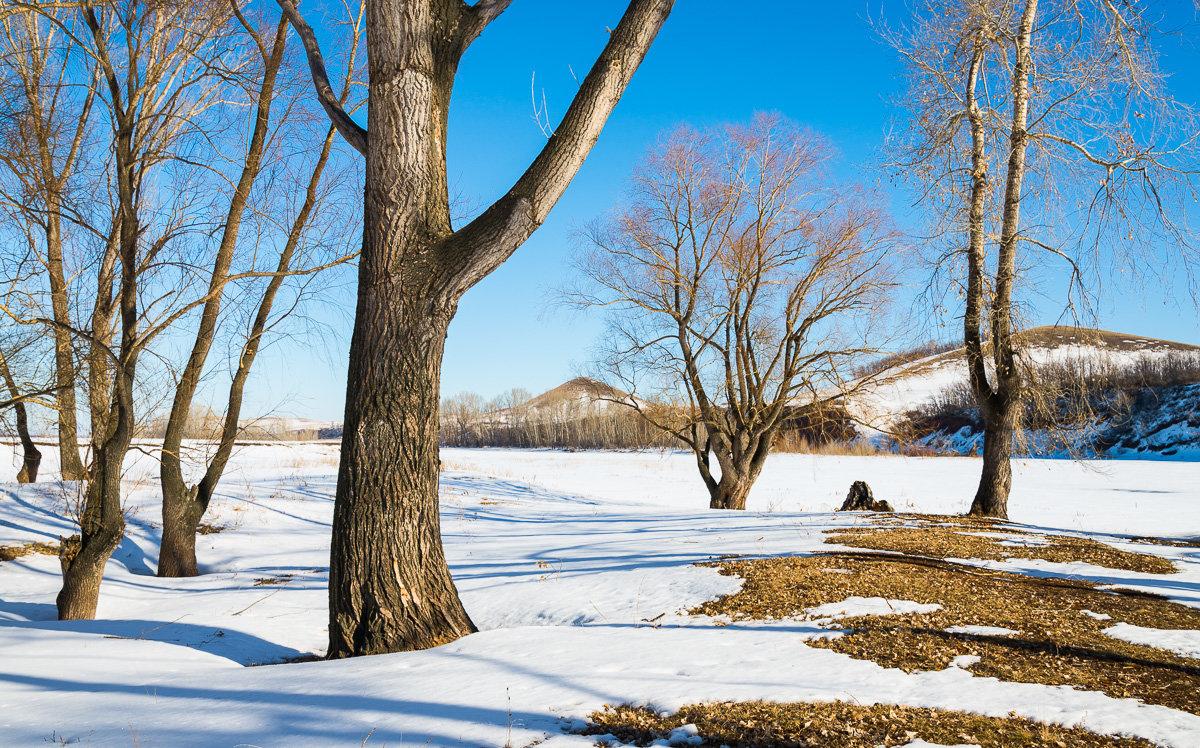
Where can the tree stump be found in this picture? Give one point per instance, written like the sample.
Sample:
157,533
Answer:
860,499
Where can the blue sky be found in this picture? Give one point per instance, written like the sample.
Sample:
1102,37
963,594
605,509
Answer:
819,63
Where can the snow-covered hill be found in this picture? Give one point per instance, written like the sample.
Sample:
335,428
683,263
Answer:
1158,420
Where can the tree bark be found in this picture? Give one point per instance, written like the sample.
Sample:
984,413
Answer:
389,586
71,465
730,493
102,524
991,498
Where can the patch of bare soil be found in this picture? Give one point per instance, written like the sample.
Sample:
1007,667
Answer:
987,539
757,724
205,528
1059,623
12,552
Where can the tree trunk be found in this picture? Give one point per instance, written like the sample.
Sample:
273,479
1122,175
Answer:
71,465
999,408
389,586
730,492
991,498
102,526
177,553
32,455
32,459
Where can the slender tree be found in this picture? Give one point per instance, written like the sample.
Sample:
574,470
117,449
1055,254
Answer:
389,586
1041,130
53,110
154,92
735,279
184,505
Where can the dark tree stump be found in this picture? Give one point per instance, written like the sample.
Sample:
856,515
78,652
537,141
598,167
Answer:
860,499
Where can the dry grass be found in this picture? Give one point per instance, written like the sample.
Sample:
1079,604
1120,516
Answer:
272,581
1057,643
205,528
760,724
12,552
963,538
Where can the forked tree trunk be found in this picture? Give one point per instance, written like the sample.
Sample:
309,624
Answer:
999,403
390,588
182,508
102,524
740,469
181,519
729,493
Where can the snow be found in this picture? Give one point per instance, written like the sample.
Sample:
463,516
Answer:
975,630
870,606
964,662
578,568
1124,498
1182,642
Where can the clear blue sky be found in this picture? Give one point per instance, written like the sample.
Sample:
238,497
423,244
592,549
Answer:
819,63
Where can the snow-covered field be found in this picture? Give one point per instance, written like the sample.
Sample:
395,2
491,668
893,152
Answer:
577,568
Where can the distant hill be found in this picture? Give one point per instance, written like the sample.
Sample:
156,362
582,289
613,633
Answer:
578,397
1143,398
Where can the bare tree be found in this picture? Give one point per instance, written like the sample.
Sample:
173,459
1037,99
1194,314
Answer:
166,75
184,505
51,111
739,285
1041,130
389,586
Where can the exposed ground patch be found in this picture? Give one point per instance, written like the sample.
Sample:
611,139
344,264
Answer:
759,724
995,541
11,552
1059,623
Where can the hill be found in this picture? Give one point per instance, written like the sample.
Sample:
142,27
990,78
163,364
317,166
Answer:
1121,395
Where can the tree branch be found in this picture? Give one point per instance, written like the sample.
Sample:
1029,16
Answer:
353,133
478,16
486,242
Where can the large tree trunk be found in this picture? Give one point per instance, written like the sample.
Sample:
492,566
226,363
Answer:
730,493
995,481
389,586
741,458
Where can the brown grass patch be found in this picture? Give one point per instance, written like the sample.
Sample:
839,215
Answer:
758,724
959,538
1057,642
205,528
12,552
